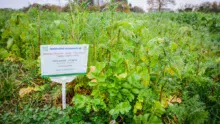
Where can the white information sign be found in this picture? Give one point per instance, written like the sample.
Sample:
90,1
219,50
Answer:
63,60
62,63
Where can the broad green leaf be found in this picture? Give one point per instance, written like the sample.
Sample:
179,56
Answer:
155,120
137,106
158,109
130,97
9,43
123,107
88,108
99,67
135,91
125,91
100,78
80,100
174,46
3,53
92,84
122,76
134,78
126,85
145,78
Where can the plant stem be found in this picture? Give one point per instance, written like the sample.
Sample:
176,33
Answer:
198,65
148,64
161,92
72,19
39,36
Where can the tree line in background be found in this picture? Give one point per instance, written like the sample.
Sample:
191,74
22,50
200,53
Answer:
119,5
124,6
204,7
159,4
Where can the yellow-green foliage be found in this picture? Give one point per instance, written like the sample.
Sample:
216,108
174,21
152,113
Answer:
144,67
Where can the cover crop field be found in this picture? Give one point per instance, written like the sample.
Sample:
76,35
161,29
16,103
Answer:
143,68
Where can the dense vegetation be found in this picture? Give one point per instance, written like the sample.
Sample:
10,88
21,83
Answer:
205,7
143,68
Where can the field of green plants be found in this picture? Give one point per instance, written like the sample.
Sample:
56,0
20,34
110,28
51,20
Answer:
147,68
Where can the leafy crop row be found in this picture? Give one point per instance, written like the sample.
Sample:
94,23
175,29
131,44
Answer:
143,68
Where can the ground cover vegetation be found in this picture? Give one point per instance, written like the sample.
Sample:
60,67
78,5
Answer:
143,68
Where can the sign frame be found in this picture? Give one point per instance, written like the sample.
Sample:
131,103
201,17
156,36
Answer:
63,46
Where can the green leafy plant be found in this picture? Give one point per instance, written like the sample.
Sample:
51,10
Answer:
190,111
144,68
